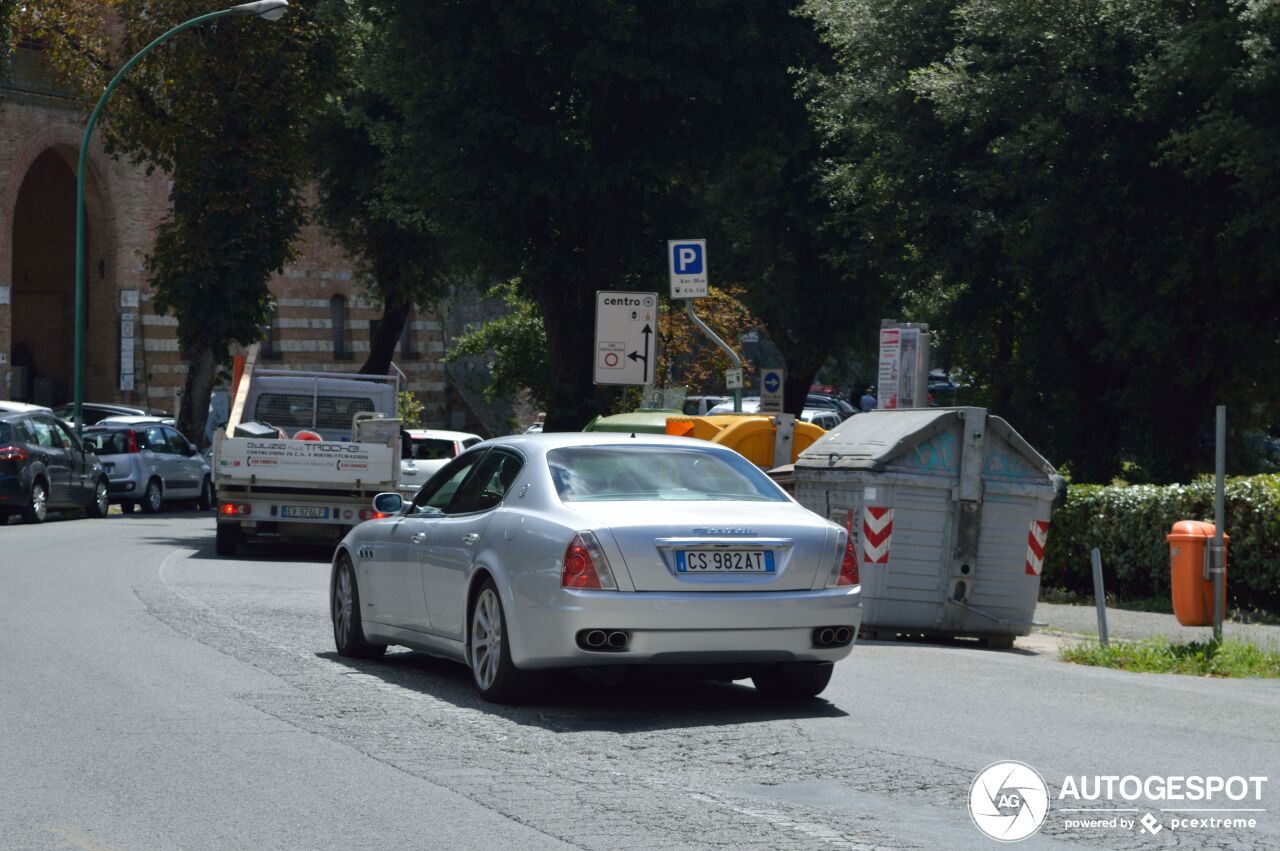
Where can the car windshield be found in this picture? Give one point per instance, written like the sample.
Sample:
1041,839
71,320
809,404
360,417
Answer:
106,442
432,449
656,473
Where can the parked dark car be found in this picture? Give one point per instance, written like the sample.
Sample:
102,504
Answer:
44,467
94,412
823,400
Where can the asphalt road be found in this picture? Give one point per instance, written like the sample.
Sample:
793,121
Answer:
157,696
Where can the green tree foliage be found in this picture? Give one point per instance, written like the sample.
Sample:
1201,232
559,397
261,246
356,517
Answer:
686,356
364,203
563,143
1078,189
515,346
8,12
222,110
806,272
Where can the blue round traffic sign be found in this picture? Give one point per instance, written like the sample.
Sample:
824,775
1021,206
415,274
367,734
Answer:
772,381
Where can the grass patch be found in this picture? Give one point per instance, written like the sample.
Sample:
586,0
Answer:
1231,658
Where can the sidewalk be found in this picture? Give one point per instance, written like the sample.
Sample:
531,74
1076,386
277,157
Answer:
1123,624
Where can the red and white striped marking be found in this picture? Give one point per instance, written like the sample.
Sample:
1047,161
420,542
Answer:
1036,536
877,529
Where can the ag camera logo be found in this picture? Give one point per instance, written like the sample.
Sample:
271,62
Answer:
1008,801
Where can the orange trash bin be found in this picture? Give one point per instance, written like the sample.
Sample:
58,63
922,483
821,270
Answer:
1192,593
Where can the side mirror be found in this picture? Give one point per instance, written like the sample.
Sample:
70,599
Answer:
192,449
388,503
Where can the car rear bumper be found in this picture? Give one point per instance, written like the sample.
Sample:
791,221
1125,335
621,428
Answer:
121,488
678,628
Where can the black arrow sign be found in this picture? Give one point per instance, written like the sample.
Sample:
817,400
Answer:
644,357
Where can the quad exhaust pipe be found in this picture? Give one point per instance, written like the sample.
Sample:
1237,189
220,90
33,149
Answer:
832,636
603,640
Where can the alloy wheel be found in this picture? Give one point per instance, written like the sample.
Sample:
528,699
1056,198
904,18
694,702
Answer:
486,638
39,502
101,498
342,604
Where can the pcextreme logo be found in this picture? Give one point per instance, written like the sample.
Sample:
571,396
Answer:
1008,801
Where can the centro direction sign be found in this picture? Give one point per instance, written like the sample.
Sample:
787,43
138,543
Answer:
626,337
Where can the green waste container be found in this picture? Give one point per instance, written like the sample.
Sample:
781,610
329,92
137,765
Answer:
644,421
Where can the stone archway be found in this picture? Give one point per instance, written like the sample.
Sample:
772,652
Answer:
43,290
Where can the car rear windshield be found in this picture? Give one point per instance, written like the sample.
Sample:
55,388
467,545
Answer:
6,434
432,448
107,442
599,473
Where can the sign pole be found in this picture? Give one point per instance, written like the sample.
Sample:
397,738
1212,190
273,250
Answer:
733,356
1217,558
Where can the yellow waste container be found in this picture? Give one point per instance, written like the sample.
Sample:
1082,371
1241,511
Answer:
1192,593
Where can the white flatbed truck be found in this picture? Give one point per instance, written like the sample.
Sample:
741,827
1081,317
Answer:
312,489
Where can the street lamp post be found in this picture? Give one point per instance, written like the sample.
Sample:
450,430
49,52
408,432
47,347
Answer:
270,10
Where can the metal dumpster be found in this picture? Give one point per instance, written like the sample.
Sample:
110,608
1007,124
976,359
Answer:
949,510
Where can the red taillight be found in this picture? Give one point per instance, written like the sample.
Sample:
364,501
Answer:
372,514
579,569
12,453
849,567
235,509
585,564
846,573
130,441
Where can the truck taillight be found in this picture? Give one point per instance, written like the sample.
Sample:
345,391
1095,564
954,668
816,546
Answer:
12,453
235,509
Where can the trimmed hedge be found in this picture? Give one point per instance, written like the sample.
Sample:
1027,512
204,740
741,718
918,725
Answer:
1129,523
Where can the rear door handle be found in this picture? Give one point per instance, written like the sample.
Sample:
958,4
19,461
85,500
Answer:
419,537
470,538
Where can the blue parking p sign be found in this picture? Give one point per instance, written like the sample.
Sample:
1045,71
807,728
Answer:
686,257
687,265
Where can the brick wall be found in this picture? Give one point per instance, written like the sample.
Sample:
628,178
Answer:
124,207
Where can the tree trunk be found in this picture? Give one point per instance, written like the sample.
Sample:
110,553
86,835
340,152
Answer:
569,313
802,363
202,366
382,348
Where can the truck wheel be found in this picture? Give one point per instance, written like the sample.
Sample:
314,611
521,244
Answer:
348,629
228,540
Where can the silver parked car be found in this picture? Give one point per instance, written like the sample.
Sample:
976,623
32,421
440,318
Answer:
149,463
541,551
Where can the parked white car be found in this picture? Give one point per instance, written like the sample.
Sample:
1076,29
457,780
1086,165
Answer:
428,451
